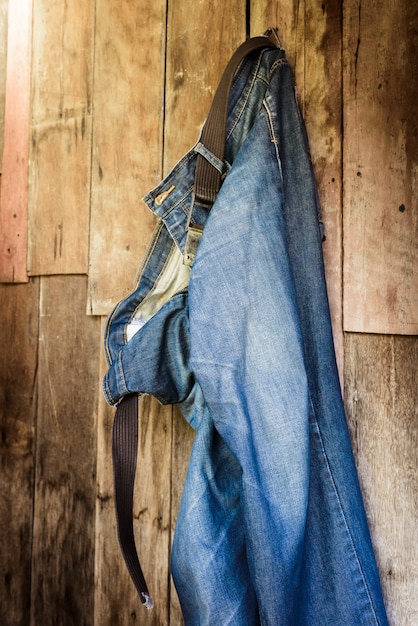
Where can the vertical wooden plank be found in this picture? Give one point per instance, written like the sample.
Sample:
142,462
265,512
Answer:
311,34
14,176
59,221
381,167
381,375
4,5
59,198
127,142
323,117
18,361
200,41
64,509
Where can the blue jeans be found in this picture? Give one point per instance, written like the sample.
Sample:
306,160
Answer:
271,529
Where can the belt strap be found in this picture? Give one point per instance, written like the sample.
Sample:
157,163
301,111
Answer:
125,426
125,452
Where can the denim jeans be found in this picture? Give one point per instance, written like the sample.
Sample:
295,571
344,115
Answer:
271,529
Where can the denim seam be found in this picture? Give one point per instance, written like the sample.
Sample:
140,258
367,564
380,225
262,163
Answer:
241,70
244,98
108,355
149,252
108,330
273,137
365,585
178,203
276,64
270,124
121,374
106,391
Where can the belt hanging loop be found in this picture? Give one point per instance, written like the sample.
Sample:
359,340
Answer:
273,34
193,235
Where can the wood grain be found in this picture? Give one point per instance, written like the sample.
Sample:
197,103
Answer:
323,117
380,167
127,143
64,496
59,197
200,40
119,93
18,367
15,163
381,390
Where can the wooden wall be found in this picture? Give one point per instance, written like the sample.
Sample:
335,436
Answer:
118,92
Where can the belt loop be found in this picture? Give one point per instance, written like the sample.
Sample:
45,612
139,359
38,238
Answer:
193,234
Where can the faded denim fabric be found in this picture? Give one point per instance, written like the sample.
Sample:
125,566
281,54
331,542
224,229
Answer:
271,528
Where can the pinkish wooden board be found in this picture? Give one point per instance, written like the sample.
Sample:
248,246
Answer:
14,177
60,141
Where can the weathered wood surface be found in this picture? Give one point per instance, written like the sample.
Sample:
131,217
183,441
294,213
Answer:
322,111
200,41
15,163
65,479
59,198
18,366
381,390
59,225
381,166
127,142
156,67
